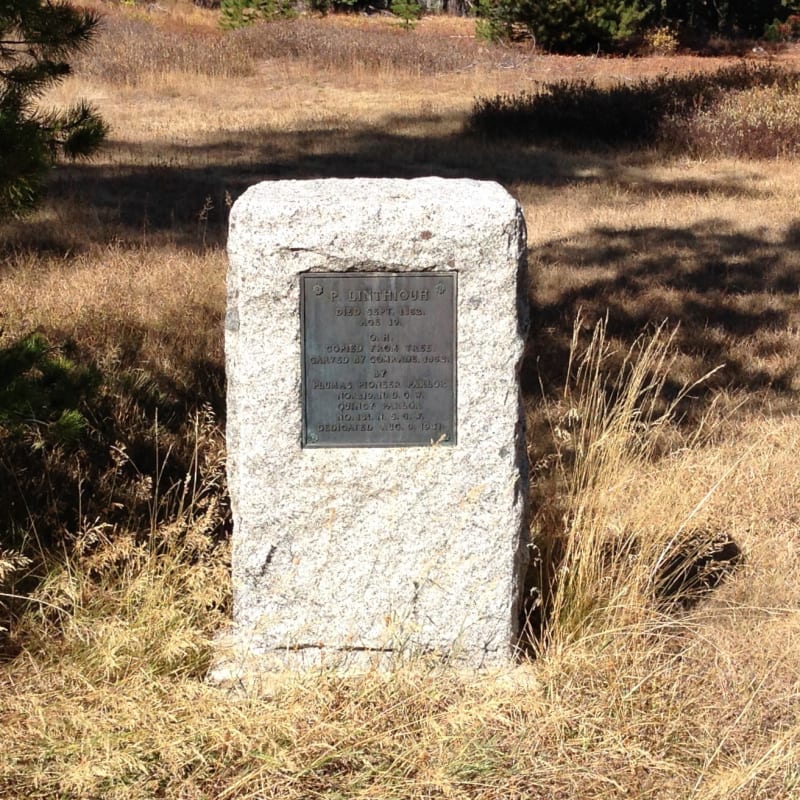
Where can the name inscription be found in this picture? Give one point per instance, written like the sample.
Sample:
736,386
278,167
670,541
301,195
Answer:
379,359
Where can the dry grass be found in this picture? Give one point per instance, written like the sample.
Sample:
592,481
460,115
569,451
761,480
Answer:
759,123
105,700
742,110
102,686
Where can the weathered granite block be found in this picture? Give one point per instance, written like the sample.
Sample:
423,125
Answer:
383,547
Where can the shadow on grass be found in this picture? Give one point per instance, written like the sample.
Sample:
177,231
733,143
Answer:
723,286
165,192
734,296
580,113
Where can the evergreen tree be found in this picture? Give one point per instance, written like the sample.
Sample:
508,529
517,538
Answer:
565,26
749,17
36,38
573,26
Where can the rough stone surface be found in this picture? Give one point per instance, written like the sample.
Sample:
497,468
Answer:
346,555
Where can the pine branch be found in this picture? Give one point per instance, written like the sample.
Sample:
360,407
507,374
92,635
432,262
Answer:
36,39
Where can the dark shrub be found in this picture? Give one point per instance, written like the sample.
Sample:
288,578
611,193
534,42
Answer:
581,114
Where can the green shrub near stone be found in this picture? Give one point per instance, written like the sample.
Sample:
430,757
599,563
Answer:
41,388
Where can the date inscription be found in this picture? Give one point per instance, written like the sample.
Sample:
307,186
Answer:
379,359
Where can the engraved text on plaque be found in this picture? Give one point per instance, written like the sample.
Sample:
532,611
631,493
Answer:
379,359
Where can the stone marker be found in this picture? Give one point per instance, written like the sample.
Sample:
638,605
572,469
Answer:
375,436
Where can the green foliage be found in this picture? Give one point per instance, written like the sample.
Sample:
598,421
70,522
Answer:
35,39
575,26
581,114
743,17
564,26
324,6
85,435
787,31
409,12
241,13
42,390
43,394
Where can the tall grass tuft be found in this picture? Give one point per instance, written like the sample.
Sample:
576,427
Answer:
600,575
126,600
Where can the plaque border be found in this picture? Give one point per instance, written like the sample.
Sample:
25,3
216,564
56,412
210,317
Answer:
304,443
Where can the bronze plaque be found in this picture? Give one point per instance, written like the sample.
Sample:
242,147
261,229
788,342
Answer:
379,359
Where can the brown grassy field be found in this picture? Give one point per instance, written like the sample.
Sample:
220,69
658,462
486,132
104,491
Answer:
123,268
